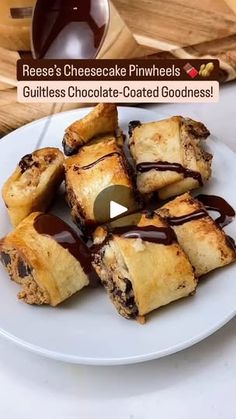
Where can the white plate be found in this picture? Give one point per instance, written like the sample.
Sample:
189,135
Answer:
86,329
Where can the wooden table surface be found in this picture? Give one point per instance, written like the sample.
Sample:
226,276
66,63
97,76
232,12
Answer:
170,24
168,28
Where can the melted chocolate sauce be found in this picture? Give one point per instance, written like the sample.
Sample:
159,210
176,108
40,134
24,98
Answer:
54,227
166,235
69,28
89,166
178,221
152,234
211,203
218,204
163,166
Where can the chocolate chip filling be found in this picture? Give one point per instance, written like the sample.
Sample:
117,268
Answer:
125,299
23,269
26,163
133,125
5,258
68,150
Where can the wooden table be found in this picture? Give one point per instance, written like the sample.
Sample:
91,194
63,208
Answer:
168,28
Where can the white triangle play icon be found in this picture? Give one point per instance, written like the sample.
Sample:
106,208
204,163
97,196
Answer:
116,209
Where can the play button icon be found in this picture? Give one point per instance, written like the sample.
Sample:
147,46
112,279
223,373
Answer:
116,209
114,202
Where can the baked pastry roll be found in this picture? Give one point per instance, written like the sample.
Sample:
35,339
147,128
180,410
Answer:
169,156
142,267
33,184
47,258
93,170
103,119
203,240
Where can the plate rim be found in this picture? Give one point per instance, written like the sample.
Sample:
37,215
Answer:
136,359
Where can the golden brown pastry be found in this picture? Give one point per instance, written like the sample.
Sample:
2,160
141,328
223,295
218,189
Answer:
33,184
169,156
142,267
47,258
103,119
205,243
93,170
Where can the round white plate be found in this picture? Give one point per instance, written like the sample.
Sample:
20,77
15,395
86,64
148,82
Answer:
87,329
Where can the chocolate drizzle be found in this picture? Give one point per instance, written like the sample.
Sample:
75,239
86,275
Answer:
94,163
178,221
152,234
218,204
163,166
63,234
211,203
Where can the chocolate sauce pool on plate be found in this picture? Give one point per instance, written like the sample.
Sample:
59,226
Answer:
62,233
